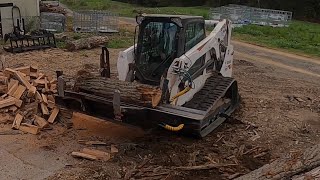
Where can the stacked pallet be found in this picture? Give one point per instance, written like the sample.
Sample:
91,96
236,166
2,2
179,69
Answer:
28,94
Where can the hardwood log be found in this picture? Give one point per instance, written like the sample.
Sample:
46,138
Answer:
287,166
134,93
87,43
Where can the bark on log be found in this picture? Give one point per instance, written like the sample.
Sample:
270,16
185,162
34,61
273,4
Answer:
287,166
313,174
133,93
87,43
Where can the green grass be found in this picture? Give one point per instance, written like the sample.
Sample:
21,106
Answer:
129,10
299,37
123,39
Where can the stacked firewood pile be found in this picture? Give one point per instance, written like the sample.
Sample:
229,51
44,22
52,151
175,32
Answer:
28,95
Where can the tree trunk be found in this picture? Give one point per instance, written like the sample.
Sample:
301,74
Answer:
133,93
87,43
287,166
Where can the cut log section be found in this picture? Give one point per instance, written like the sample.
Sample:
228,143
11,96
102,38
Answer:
287,166
87,43
134,93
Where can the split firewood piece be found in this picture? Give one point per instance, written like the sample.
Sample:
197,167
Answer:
53,115
83,155
41,75
8,72
18,102
51,104
46,87
44,98
12,82
13,109
49,78
42,123
34,72
3,89
39,97
19,91
101,155
7,102
44,108
53,88
13,86
3,80
25,82
51,98
17,121
29,128
25,70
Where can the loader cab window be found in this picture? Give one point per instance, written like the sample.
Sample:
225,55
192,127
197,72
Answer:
194,34
157,49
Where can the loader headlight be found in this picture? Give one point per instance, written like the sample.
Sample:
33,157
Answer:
139,19
177,21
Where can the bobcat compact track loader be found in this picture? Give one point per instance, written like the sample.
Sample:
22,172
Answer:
192,70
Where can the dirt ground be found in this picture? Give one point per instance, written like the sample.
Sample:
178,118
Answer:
279,113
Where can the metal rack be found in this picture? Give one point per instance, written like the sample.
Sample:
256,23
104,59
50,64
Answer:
242,15
95,22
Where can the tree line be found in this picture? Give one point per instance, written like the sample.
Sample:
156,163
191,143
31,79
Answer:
302,9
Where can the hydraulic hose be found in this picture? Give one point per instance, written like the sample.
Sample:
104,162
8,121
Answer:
181,93
172,128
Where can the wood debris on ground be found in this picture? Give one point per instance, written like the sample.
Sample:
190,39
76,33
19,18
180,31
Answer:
28,96
95,154
92,154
